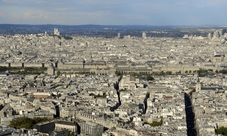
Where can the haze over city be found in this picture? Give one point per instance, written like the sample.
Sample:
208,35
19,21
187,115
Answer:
113,68
115,12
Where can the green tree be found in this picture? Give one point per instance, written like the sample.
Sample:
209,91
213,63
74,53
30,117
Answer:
149,77
70,133
222,131
58,73
19,123
28,123
202,73
224,71
169,73
162,73
155,123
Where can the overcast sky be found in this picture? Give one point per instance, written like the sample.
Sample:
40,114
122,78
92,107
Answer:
114,12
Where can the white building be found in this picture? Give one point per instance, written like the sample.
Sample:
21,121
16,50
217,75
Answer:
56,32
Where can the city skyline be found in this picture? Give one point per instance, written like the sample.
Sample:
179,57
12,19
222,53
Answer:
100,12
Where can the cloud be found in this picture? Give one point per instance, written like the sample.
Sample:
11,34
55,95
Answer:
9,1
216,2
133,16
61,9
16,16
29,15
142,12
1,15
21,1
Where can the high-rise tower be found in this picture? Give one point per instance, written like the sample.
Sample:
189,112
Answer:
144,35
56,32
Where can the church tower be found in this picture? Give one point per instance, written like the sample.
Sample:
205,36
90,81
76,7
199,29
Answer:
198,86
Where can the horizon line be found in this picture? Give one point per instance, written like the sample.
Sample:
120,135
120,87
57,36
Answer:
120,25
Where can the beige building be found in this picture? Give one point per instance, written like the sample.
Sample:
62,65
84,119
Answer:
91,129
62,125
128,82
183,68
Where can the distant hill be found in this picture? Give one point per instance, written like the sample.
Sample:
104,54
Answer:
107,31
